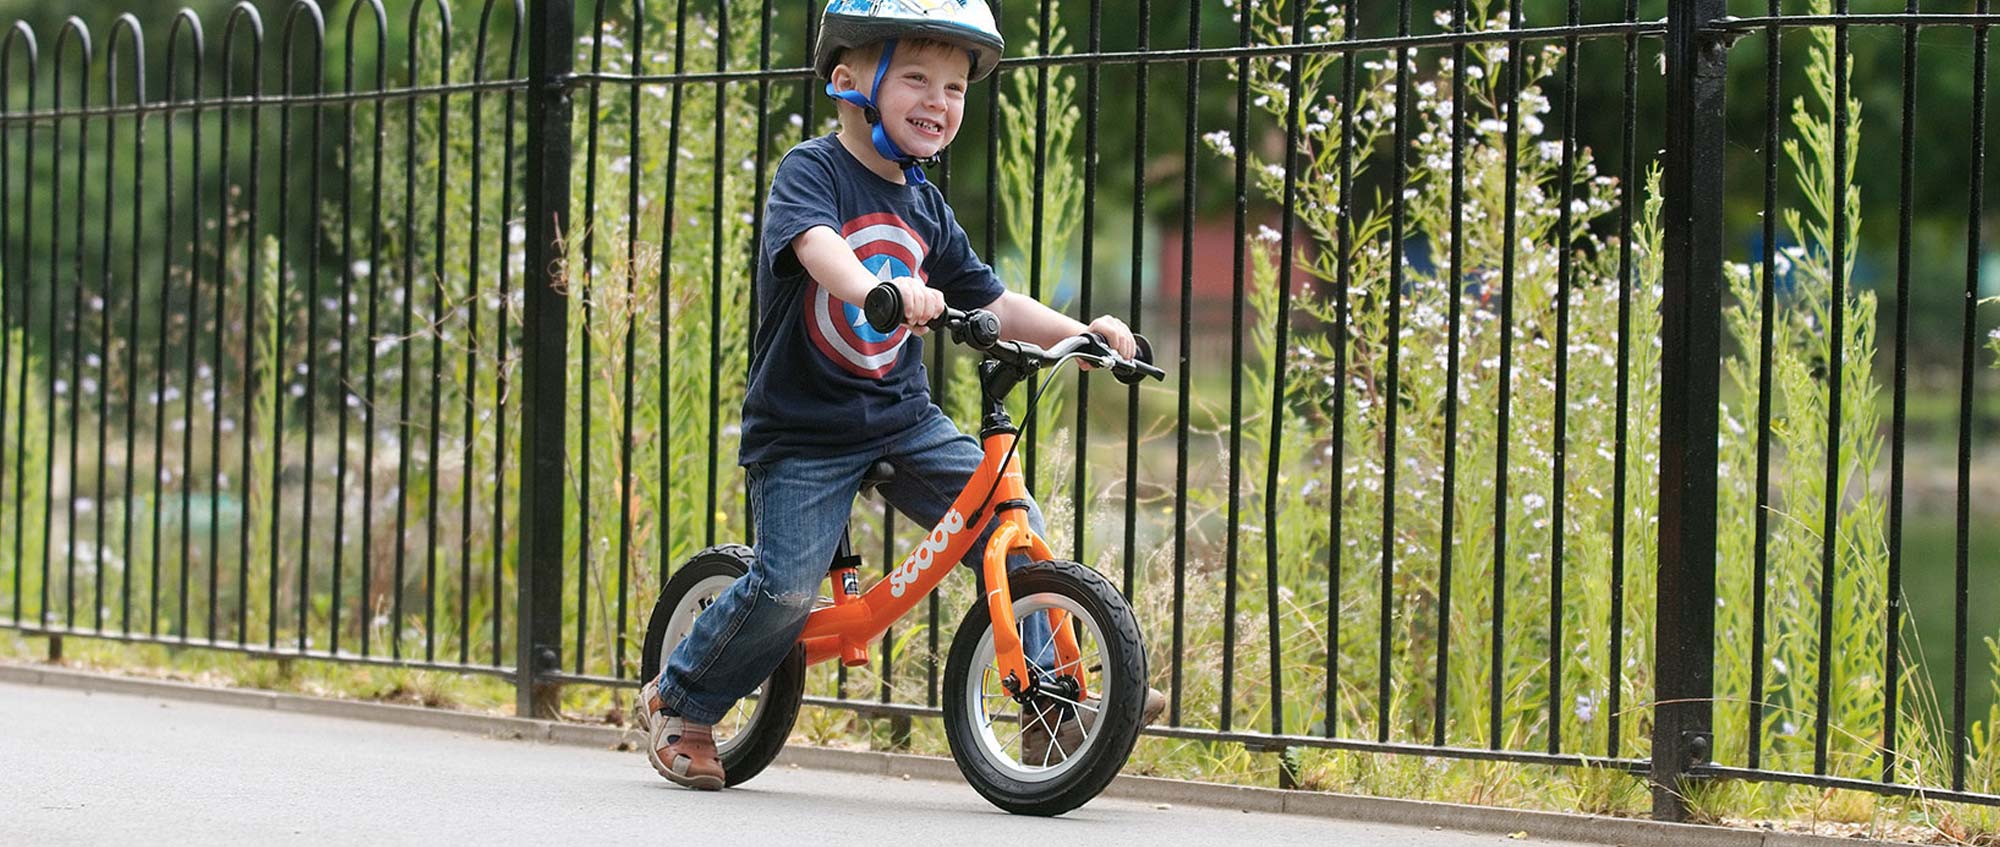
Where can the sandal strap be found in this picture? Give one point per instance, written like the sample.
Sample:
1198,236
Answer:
677,728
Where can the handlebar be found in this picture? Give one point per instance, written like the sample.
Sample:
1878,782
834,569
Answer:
980,330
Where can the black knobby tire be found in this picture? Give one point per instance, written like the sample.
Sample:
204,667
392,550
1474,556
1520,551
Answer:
1116,674
747,751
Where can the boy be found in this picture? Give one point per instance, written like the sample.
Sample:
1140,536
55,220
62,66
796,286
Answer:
828,396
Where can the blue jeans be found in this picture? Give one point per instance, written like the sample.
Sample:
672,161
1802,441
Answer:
802,504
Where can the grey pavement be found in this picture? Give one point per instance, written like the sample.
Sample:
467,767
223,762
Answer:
95,768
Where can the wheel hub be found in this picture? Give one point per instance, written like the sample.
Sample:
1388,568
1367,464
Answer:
1058,692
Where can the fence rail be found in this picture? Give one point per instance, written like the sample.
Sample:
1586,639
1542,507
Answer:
424,330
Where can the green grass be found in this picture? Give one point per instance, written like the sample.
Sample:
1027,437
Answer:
1930,545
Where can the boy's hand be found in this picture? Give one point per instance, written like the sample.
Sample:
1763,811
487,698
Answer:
1117,334
921,303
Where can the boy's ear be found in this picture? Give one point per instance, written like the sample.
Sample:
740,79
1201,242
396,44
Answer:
844,78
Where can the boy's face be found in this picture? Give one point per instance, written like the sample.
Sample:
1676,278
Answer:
922,98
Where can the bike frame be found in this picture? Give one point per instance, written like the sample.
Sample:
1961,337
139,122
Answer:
846,628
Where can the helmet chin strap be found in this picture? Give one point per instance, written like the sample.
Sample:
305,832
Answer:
913,167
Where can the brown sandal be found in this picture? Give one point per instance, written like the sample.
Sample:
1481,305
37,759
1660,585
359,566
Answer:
685,754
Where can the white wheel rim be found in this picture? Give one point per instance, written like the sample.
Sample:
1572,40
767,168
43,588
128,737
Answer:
995,718
733,730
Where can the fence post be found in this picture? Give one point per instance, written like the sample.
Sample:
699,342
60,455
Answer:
1691,332
538,617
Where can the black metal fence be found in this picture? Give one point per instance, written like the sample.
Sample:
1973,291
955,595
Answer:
1442,483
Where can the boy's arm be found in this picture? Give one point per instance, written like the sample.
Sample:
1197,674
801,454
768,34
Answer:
831,263
1023,318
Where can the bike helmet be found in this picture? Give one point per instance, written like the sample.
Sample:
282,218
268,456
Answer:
849,24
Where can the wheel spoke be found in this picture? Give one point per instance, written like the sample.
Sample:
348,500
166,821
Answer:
1055,746
1068,623
1009,744
1051,673
1095,710
990,714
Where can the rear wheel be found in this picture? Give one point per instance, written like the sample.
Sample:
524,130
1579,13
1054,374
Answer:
753,732
1089,707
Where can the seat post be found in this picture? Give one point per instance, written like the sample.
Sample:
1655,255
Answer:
845,573
844,570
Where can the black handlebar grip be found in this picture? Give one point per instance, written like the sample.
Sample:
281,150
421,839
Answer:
884,307
1142,359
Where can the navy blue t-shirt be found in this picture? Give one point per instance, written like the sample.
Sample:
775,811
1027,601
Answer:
822,382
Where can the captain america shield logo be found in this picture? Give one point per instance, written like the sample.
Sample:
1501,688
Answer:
889,248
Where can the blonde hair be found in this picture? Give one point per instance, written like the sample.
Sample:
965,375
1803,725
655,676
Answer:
861,61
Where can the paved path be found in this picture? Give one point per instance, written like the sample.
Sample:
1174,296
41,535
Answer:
84,768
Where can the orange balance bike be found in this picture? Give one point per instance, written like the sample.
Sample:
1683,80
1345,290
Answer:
1086,703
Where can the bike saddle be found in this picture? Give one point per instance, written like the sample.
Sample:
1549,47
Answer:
877,474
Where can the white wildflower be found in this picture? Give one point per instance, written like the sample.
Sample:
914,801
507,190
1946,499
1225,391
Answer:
1221,142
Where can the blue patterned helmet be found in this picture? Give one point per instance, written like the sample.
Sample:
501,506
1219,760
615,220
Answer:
848,24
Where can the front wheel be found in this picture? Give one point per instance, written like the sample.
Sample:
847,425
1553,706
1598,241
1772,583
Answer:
1059,749
752,734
